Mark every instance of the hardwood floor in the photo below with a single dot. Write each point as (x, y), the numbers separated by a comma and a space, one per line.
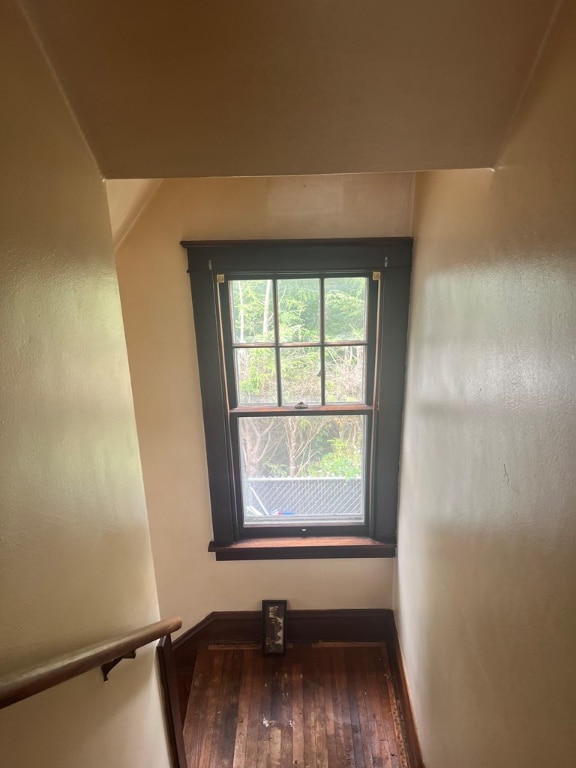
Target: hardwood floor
(320, 706)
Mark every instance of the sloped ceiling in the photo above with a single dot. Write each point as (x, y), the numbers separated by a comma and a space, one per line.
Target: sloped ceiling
(258, 87)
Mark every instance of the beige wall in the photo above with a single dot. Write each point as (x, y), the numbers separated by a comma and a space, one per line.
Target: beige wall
(127, 198)
(75, 561)
(487, 551)
(158, 319)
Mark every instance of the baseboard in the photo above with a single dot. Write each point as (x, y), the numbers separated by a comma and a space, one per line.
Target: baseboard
(398, 673)
(172, 712)
(345, 625)
(341, 625)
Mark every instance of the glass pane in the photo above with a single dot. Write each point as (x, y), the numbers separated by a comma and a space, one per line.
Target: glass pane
(345, 374)
(300, 375)
(256, 376)
(345, 308)
(303, 470)
(299, 310)
(252, 308)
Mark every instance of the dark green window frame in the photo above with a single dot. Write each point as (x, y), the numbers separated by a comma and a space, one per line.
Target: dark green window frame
(387, 261)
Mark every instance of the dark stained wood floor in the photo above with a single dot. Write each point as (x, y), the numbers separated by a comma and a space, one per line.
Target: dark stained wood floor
(320, 706)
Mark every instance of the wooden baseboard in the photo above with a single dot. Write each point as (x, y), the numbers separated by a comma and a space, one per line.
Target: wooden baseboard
(173, 714)
(341, 625)
(346, 625)
(397, 669)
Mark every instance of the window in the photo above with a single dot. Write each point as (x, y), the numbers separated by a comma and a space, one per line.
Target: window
(301, 351)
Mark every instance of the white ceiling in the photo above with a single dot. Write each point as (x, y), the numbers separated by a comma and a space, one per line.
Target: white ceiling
(258, 87)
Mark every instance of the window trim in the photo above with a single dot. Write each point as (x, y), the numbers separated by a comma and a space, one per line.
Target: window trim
(392, 258)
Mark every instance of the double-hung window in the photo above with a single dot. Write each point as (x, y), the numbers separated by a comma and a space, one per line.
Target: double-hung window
(301, 351)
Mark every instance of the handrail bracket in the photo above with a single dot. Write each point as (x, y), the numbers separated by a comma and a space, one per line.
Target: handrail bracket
(106, 668)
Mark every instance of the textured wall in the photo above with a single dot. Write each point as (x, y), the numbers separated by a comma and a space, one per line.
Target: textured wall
(75, 560)
(487, 552)
(157, 308)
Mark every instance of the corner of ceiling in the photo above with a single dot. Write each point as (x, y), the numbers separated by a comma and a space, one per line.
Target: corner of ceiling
(127, 199)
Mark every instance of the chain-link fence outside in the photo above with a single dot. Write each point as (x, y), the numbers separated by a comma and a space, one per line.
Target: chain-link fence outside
(311, 499)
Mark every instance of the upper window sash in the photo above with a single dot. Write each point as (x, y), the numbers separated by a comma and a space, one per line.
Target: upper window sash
(277, 358)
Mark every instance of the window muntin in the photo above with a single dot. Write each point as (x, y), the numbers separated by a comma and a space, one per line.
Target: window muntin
(315, 464)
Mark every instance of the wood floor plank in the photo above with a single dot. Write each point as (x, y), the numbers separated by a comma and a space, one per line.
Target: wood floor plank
(204, 735)
(383, 673)
(379, 704)
(216, 750)
(229, 709)
(319, 707)
(309, 711)
(275, 727)
(345, 708)
(323, 660)
(265, 725)
(364, 710)
(239, 759)
(254, 713)
(336, 681)
(298, 708)
(396, 714)
(389, 709)
(195, 722)
(287, 723)
(378, 741)
(354, 714)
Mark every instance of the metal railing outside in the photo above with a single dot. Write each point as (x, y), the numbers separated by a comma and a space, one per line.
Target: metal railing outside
(294, 499)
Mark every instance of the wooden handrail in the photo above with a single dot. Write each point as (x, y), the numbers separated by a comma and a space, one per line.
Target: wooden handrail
(20, 685)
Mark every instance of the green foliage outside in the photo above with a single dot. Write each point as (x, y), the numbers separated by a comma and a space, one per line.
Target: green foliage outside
(300, 446)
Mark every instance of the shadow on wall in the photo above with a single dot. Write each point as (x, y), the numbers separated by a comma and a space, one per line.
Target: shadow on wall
(488, 641)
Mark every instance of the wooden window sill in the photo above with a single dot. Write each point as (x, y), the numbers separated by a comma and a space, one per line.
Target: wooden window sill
(319, 547)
